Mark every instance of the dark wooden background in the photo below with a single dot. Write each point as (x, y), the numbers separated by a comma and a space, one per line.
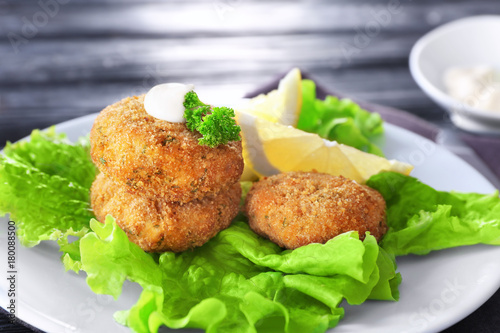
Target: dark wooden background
(86, 54)
(61, 59)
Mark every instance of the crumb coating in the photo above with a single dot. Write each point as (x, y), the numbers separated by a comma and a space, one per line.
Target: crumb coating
(298, 208)
(157, 225)
(157, 158)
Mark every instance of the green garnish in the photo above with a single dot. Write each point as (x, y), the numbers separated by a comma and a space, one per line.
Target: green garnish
(192, 101)
(339, 120)
(216, 124)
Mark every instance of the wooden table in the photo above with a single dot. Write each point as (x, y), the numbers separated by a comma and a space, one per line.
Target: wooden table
(62, 59)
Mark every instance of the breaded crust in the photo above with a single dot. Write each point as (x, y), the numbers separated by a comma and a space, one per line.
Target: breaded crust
(158, 158)
(298, 208)
(159, 225)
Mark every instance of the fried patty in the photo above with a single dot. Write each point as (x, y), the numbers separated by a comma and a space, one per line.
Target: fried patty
(157, 225)
(157, 158)
(298, 208)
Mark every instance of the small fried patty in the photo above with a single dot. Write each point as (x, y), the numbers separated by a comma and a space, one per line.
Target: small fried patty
(159, 225)
(155, 157)
(298, 208)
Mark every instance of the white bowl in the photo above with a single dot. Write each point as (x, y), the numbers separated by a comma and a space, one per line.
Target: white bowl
(466, 42)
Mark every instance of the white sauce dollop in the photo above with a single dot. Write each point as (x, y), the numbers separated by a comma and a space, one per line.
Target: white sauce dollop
(165, 101)
(478, 86)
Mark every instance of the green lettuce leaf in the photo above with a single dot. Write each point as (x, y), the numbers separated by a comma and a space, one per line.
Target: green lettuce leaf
(422, 219)
(237, 281)
(339, 120)
(387, 287)
(44, 185)
(128, 261)
(71, 257)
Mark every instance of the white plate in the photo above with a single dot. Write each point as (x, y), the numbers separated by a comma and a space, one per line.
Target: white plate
(438, 290)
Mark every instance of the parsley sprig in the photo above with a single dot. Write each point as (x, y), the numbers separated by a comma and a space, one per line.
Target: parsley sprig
(216, 124)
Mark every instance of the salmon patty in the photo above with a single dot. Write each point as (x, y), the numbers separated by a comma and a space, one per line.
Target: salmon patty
(157, 225)
(298, 208)
(157, 158)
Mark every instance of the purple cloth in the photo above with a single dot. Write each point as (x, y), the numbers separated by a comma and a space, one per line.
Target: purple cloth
(487, 148)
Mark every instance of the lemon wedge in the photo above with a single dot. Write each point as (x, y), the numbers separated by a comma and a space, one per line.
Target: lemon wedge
(270, 148)
(281, 105)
